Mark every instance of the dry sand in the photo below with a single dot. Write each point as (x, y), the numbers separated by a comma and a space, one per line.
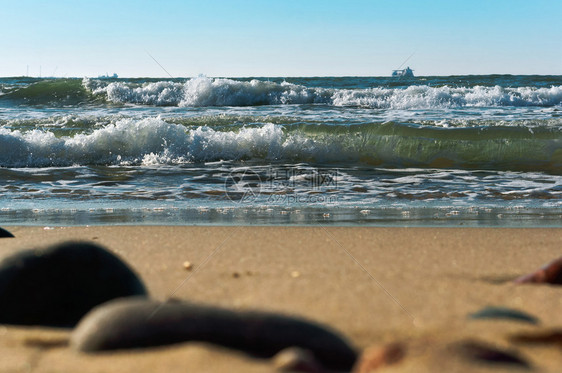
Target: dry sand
(373, 285)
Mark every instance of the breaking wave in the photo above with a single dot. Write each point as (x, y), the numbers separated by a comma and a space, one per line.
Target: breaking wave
(206, 92)
(203, 91)
(153, 141)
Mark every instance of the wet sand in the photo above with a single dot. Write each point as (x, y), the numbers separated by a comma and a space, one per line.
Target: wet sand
(414, 286)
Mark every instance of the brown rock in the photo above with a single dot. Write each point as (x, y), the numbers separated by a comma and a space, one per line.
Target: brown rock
(376, 357)
(551, 273)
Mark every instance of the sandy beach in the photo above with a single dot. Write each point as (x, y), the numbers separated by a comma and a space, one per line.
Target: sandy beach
(275, 187)
(375, 286)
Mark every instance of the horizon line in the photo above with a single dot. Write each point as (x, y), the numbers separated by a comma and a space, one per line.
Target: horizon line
(261, 76)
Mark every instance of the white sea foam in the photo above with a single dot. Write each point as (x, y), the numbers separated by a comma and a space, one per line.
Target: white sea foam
(426, 97)
(203, 92)
(124, 141)
(160, 93)
(153, 141)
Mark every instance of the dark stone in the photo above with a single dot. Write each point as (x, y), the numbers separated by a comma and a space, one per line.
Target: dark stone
(484, 353)
(138, 323)
(504, 313)
(546, 337)
(551, 273)
(4, 233)
(58, 285)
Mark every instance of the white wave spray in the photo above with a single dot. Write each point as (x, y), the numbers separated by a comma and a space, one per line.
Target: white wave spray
(154, 141)
(204, 92)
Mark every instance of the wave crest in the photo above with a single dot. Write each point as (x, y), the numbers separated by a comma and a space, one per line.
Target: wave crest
(426, 97)
(155, 141)
(203, 91)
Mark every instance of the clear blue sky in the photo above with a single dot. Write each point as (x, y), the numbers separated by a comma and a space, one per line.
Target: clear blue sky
(279, 38)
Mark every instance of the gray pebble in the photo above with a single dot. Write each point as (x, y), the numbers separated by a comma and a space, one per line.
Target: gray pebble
(136, 323)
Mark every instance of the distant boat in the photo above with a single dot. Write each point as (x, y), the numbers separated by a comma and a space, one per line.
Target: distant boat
(406, 73)
(106, 76)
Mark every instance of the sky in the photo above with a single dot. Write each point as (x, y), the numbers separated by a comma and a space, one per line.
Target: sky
(235, 38)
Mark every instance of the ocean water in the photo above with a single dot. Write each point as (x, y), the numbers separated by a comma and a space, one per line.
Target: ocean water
(424, 151)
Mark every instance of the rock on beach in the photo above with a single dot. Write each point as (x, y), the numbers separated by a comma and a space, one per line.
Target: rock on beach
(4, 233)
(137, 323)
(58, 285)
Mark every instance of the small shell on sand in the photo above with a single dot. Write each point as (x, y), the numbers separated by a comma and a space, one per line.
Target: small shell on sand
(137, 323)
(376, 357)
(295, 274)
(294, 359)
(550, 273)
(187, 265)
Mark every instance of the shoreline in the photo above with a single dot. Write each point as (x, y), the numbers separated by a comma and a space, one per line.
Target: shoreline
(374, 285)
(290, 216)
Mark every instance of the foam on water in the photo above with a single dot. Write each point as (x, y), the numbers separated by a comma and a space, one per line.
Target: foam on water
(203, 92)
(424, 97)
(155, 141)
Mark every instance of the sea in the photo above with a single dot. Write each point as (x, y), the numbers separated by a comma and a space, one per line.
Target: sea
(476, 150)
